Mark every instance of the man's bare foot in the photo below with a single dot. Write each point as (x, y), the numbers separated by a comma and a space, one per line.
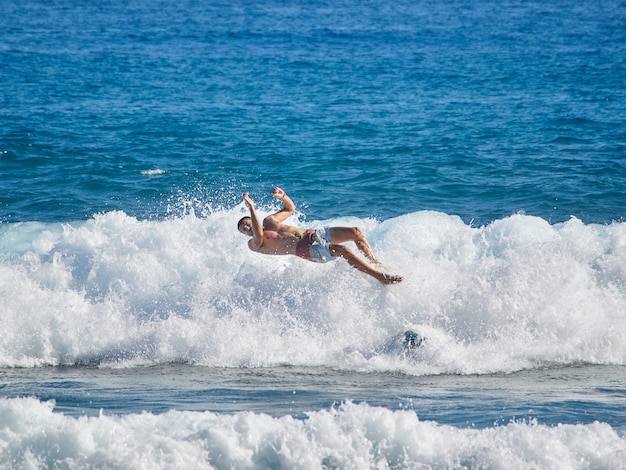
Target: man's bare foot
(390, 279)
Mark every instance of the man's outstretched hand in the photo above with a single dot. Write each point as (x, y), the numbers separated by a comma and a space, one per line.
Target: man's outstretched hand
(278, 193)
(248, 200)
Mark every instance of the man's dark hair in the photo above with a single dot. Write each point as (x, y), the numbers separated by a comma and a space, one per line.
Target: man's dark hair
(242, 220)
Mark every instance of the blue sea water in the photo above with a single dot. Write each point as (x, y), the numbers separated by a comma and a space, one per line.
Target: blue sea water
(480, 145)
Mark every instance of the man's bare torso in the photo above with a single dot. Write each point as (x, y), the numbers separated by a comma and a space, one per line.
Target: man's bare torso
(278, 239)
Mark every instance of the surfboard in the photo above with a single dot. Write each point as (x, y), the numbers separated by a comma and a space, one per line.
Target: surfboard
(406, 341)
(412, 340)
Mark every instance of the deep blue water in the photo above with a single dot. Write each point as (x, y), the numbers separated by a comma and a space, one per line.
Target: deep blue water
(479, 144)
(481, 109)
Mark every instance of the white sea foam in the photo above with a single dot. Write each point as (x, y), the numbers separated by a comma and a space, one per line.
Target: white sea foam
(350, 436)
(154, 172)
(517, 293)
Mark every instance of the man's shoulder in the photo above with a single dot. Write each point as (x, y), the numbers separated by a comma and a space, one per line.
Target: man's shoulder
(254, 246)
(270, 224)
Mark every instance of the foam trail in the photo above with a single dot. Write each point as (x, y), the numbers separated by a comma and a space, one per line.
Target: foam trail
(350, 436)
(517, 293)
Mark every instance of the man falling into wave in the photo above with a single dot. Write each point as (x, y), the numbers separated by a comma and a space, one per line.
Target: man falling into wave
(273, 237)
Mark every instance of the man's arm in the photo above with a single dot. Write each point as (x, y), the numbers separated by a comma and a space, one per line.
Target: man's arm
(257, 228)
(288, 208)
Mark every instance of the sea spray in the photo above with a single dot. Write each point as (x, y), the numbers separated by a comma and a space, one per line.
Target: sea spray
(350, 436)
(517, 293)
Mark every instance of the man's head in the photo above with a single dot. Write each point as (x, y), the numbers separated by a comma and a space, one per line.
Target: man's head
(245, 226)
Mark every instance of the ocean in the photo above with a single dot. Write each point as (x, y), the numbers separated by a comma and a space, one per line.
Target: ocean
(479, 145)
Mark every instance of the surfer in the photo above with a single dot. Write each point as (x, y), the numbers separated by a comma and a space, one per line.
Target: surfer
(273, 237)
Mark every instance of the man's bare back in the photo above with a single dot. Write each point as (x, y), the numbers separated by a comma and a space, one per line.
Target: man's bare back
(273, 237)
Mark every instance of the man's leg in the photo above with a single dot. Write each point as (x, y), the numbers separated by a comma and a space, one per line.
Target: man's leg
(353, 234)
(356, 262)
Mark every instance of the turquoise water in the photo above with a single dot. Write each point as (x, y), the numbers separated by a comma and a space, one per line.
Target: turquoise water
(479, 145)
